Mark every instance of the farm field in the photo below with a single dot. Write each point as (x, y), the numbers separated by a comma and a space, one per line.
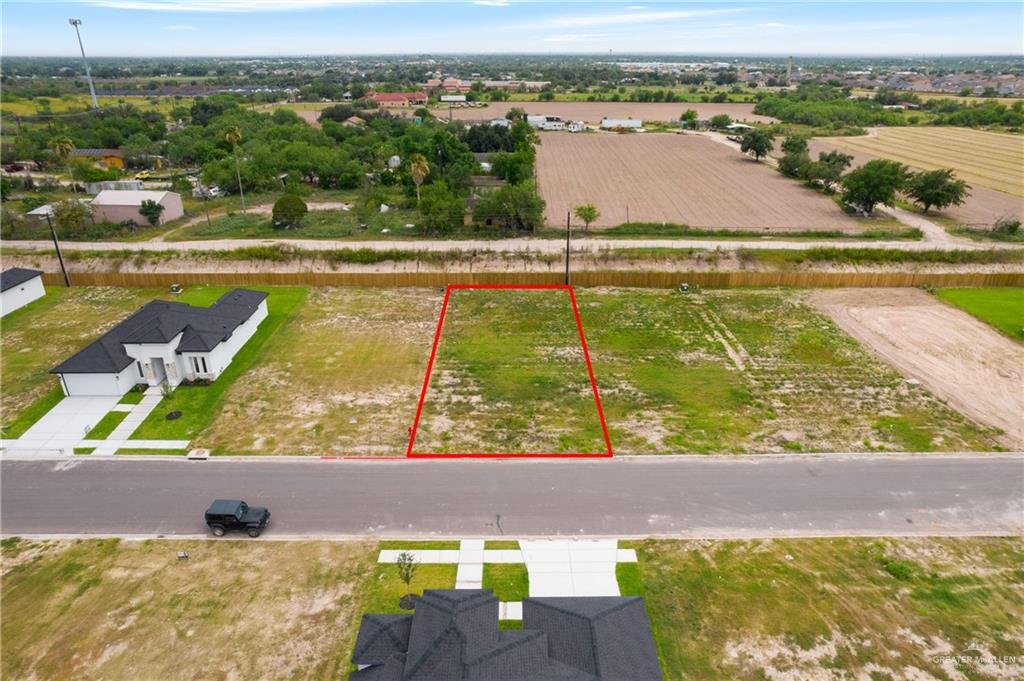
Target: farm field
(962, 360)
(788, 608)
(66, 103)
(984, 159)
(682, 179)
(509, 377)
(984, 207)
(593, 112)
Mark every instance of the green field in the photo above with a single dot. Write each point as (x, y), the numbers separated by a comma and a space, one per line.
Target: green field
(761, 609)
(1003, 308)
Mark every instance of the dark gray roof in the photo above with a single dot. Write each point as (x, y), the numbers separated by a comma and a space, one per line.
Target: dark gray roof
(97, 152)
(159, 321)
(16, 276)
(453, 635)
(607, 636)
(381, 637)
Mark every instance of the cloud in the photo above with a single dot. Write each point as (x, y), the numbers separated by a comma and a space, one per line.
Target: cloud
(637, 7)
(225, 5)
(181, 27)
(772, 24)
(492, 3)
(636, 17)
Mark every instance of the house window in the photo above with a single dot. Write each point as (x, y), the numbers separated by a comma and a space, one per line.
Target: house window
(199, 365)
(138, 365)
(203, 359)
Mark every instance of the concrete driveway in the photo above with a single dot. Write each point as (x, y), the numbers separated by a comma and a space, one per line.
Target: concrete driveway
(65, 425)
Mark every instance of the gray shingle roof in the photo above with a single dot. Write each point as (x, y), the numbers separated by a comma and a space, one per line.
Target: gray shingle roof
(454, 636)
(16, 276)
(159, 321)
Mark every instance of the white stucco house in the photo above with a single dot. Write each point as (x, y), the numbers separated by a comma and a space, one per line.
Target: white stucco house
(165, 341)
(18, 288)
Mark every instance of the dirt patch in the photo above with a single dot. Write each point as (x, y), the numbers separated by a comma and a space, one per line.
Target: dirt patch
(593, 112)
(962, 360)
(682, 179)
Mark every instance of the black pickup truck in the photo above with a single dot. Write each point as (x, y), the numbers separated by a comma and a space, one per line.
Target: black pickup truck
(232, 514)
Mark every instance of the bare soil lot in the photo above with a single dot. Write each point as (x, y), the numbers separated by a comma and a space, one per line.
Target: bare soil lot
(962, 360)
(593, 112)
(986, 204)
(683, 179)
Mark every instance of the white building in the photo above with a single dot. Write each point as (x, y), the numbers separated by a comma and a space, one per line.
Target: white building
(116, 206)
(165, 341)
(576, 126)
(546, 122)
(18, 288)
(615, 123)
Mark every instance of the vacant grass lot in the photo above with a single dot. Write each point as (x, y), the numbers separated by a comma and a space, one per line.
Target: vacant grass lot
(751, 371)
(44, 333)
(832, 608)
(509, 377)
(1003, 308)
(342, 376)
(318, 224)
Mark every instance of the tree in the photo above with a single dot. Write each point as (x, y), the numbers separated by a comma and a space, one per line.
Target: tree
(689, 117)
(63, 147)
(233, 136)
(516, 113)
(440, 210)
(794, 144)
(938, 188)
(875, 182)
(151, 210)
(720, 121)
(406, 564)
(827, 170)
(288, 211)
(794, 165)
(515, 206)
(71, 215)
(588, 213)
(418, 169)
(758, 141)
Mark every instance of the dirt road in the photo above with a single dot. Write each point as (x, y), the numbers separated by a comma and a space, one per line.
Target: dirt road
(962, 360)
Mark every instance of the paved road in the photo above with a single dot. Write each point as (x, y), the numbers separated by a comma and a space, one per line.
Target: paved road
(685, 496)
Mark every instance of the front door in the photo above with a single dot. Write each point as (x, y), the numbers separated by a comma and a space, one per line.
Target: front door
(159, 371)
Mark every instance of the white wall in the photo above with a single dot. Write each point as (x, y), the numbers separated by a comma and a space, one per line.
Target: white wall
(100, 384)
(218, 359)
(145, 352)
(21, 295)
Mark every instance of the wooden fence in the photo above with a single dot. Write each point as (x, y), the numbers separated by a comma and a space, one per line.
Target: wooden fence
(594, 278)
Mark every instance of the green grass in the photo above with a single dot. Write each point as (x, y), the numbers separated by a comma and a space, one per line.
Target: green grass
(199, 405)
(510, 582)
(854, 256)
(143, 451)
(1003, 308)
(132, 397)
(501, 544)
(318, 224)
(27, 417)
(782, 603)
(405, 545)
(384, 587)
(669, 230)
(106, 425)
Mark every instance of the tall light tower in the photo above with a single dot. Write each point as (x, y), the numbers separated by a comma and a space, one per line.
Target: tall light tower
(88, 75)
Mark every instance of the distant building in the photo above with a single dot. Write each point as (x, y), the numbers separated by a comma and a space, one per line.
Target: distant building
(353, 121)
(576, 126)
(95, 188)
(546, 122)
(500, 122)
(18, 288)
(118, 206)
(398, 100)
(620, 123)
(109, 158)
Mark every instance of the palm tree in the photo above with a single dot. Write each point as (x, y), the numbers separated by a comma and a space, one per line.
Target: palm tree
(233, 135)
(419, 169)
(62, 146)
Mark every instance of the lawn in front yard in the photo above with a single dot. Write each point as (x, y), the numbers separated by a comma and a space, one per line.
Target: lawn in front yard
(44, 333)
(106, 425)
(199, 405)
(510, 582)
(1003, 308)
(831, 608)
(752, 371)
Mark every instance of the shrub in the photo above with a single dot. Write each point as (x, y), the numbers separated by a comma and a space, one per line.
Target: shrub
(288, 211)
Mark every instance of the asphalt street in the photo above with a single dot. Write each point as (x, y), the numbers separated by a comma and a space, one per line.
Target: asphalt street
(684, 496)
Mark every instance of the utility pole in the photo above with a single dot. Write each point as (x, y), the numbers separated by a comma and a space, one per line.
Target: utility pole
(88, 75)
(60, 258)
(568, 240)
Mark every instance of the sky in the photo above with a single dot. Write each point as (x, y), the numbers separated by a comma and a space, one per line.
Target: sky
(139, 28)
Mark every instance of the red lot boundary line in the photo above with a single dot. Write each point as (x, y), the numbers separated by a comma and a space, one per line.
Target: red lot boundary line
(586, 356)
